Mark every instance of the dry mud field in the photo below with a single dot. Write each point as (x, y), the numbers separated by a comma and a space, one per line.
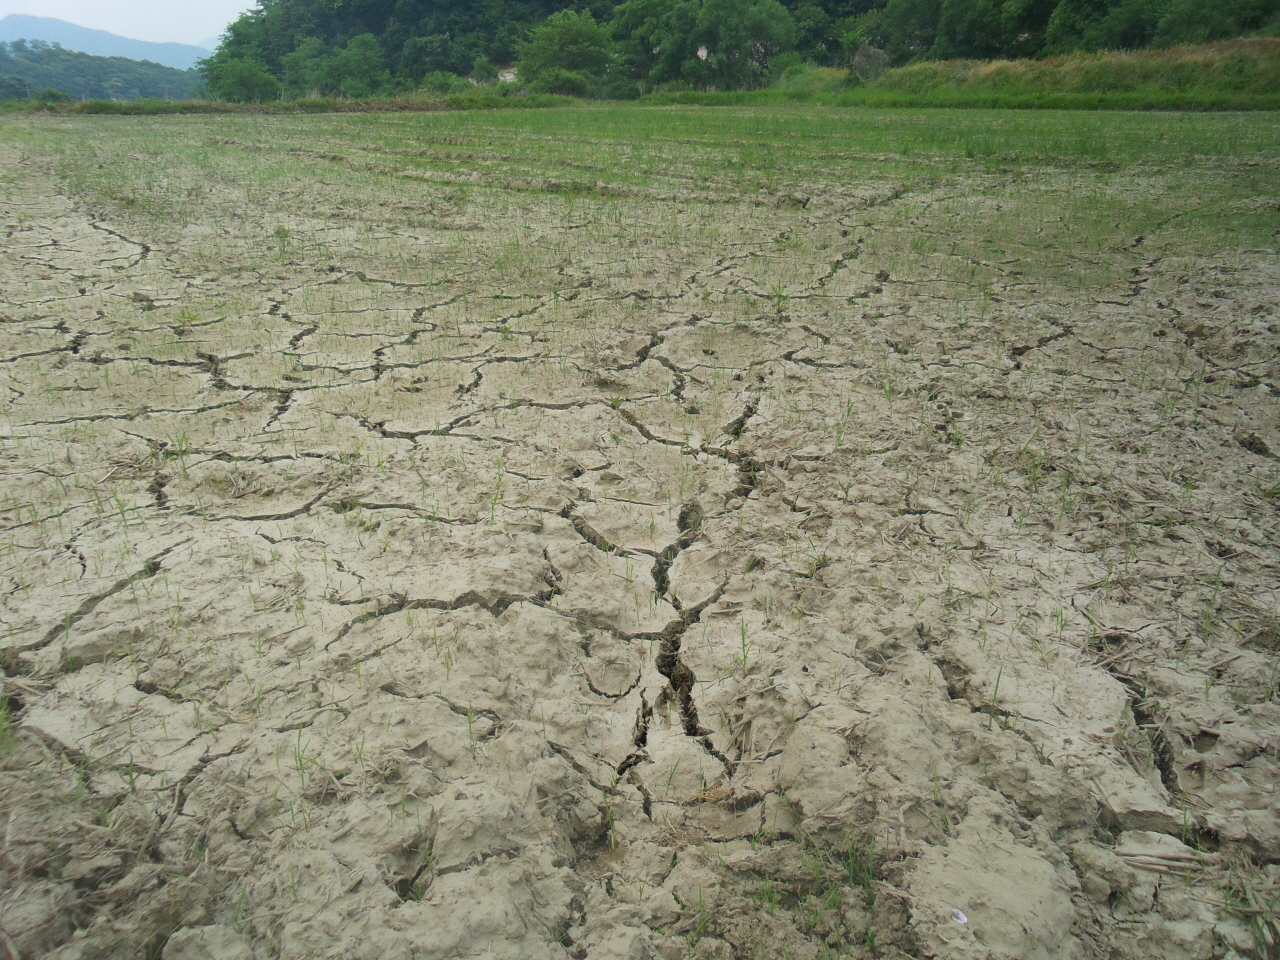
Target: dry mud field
(640, 533)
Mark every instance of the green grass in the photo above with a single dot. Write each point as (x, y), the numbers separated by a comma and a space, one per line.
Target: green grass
(860, 863)
(602, 152)
(6, 726)
(1058, 185)
(644, 145)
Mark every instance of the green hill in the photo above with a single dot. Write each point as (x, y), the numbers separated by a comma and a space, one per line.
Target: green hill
(100, 43)
(29, 67)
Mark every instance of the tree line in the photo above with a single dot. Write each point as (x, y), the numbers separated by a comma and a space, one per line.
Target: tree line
(33, 69)
(357, 48)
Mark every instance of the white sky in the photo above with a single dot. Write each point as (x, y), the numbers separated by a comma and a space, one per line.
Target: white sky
(184, 21)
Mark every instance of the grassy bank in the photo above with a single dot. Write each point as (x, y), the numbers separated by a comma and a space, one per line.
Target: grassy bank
(417, 102)
(1235, 75)
(978, 99)
(1241, 74)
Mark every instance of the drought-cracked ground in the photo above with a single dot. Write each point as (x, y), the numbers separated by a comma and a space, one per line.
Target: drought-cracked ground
(633, 533)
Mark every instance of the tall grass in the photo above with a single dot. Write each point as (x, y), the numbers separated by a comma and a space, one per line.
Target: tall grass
(1218, 73)
(1233, 75)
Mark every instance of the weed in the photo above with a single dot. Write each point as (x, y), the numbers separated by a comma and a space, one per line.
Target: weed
(860, 864)
(701, 925)
(767, 894)
(610, 830)
(6, 726)
(995, 697)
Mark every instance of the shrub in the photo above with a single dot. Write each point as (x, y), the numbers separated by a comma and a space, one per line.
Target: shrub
(569, 52)
(568, 83)
(48, 97)
(244, 80)
(869, 63)
(483, 70)
(443, 82)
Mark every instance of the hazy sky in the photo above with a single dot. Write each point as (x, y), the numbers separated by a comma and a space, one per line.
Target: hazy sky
(186, 21)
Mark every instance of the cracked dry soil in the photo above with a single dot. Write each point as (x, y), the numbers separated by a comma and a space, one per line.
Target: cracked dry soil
(421, 539)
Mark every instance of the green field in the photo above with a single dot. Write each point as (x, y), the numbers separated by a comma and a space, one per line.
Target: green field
(627, 530)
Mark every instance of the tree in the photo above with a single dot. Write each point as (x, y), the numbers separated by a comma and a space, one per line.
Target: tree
(245, 80)
(14, 88)
(988, 29)
(851, 41)
(304, 69)
(483, 70)
(907, 28)
(1188, 21)
(49, 96)
(1129, 25)
(570, 50)
(604, 45)
(815, 34)
(1076, 25)
(741, 37)
(970, 29)
(1024, 23)
(723, 44)
(430, 54)
(655, 37)
(358, 70)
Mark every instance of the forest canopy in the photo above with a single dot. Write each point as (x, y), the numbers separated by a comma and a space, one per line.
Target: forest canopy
(620, 49)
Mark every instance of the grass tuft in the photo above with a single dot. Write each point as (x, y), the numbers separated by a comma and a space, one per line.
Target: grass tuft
(6, 726)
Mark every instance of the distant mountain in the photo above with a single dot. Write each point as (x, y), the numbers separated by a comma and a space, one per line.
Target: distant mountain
(19, 26)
